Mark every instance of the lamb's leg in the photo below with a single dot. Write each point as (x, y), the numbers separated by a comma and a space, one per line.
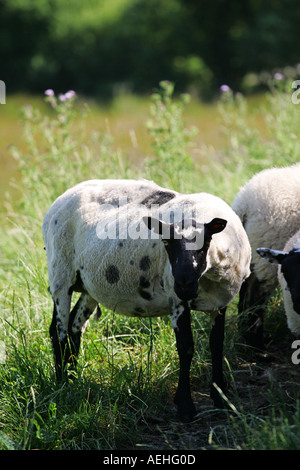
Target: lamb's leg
(185, 348)
(252, 305)
(216, 341)
(78, 318)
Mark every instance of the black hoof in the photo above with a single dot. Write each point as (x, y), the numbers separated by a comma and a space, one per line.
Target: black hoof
(187, 414)
(186, 411)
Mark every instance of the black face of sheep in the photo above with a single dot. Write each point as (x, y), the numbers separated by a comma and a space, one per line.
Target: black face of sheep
(290, 268)
(187, 255)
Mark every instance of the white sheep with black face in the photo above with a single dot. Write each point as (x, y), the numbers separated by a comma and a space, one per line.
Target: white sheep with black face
(142, 250)
(289, 278)
(269, 208)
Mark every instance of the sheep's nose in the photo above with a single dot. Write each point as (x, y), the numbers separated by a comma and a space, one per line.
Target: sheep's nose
(186, 290)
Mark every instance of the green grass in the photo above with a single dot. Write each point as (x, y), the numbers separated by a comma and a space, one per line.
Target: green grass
(128, 368)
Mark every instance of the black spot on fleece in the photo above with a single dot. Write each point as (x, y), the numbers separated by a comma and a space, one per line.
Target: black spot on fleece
(112, 274)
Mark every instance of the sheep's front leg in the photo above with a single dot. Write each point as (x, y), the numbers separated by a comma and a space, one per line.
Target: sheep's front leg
(185, 347)
(216, 341)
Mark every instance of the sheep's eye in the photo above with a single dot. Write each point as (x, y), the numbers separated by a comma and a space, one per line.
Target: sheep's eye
(165, 242)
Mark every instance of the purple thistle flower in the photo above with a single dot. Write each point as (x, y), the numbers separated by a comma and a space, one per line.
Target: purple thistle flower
(225, 88)
(70, 94)
(66, 96)
(62, 97)
(49, 92)
(278, 76)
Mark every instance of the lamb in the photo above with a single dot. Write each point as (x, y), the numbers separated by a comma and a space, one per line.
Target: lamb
(144, 251)
(269, 208)
(289, 278)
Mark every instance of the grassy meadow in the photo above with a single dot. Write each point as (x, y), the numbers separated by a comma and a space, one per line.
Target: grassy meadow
(128, 368)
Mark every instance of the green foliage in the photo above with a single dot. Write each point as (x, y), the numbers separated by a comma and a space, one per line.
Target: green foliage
(171, 139)
(65, 153)
(272, 141)
(95, 46)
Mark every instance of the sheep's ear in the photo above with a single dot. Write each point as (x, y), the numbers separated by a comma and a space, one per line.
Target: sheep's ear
(273, 256)
(159, 227)
(216, 225)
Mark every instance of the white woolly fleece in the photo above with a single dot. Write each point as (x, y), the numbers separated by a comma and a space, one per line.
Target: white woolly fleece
(269, 208)
(112, 271)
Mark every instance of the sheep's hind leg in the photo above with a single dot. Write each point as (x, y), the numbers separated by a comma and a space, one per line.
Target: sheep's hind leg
(65, 330)
(78, 319)
(252, 306)
(59, 331)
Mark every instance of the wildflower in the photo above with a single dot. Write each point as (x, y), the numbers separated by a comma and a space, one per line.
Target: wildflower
(49, 92)
(67, 96)
(278, 76)
(225, 88)
(70, 94)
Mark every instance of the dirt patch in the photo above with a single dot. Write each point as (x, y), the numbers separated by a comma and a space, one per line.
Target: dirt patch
(255, 388)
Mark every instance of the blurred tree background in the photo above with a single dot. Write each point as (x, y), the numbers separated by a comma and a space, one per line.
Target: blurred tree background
(99, 47)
